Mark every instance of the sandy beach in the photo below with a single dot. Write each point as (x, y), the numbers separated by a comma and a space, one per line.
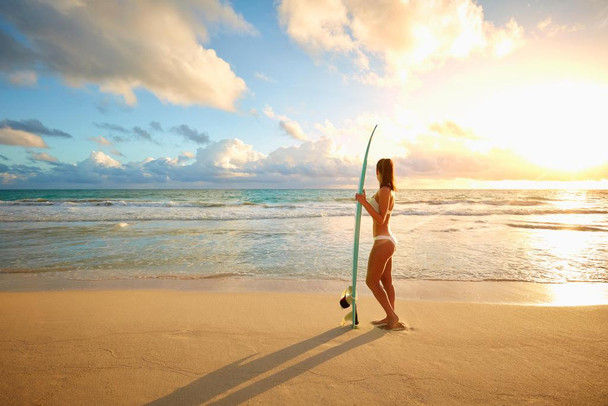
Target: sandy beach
(175, 347)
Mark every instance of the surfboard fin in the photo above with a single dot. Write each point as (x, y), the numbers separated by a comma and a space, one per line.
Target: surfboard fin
(345, 301)
(348, 319)
(346, 297)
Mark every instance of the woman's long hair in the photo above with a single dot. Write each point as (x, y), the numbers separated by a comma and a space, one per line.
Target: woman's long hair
(386, 170)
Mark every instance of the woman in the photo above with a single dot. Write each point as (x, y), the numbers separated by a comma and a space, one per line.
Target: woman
(380, 263)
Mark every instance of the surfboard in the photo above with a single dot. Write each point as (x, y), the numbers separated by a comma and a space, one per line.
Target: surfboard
(357, 232)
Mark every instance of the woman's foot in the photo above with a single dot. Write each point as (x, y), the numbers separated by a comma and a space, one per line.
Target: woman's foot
(392, 321)
(379, 322)
(398, 327)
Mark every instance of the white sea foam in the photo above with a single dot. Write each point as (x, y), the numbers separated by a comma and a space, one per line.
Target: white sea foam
(544, 236)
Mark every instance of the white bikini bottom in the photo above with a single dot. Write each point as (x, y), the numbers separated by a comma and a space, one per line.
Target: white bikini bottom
(390, 237)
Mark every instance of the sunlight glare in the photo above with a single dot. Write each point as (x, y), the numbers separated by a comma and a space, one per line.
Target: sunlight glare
(557, 126)
(579, 294)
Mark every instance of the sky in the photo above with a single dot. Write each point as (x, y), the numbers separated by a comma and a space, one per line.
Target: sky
(284, 94)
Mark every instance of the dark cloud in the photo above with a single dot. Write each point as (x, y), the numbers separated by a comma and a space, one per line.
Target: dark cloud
(141, 133)
(155, 126)
(33, 126)
(191, 134)
(136, 132)
(112, 127)
(13, 55)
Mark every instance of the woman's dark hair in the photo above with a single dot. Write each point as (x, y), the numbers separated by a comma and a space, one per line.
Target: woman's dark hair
(387, 174)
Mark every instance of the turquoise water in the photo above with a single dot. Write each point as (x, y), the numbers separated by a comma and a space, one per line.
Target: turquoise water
(523, 235)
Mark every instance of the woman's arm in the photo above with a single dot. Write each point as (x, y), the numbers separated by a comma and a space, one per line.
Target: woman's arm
(384, 197)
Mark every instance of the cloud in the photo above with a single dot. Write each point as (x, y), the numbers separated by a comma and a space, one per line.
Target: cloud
(551, 29)
(451, 129)
(136, 131)
(405, 36)
(289, 126)
(191, 134)
(441, 151)
(14, 55)
(9, 136)
(112, 127)
(24, 78)
(227, 155)
(264, 77)
(116, 152)
(101, 141)
(225, 162)
(99, 159)
(125, 45)
(42, 157)
(33, 126)
(7, 178)
(438, 157)
(141, 133)
(292, 129)
(155, 126)
(315, 159)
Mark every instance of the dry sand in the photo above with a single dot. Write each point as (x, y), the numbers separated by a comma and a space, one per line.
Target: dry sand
(167, 347)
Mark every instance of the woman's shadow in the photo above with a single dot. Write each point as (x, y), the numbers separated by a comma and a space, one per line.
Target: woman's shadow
(239, 372)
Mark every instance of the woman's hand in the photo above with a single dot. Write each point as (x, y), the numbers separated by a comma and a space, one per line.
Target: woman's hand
(360, 197)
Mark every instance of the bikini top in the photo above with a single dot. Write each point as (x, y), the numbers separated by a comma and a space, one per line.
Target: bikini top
(375, 204)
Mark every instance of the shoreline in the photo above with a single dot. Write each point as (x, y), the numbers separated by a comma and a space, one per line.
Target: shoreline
(483, 292)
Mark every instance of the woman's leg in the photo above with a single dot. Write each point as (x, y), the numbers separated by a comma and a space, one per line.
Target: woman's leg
(387, 284)
(378, 257)
(387, 281)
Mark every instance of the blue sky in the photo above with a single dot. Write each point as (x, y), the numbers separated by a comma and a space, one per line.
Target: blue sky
(284, 93)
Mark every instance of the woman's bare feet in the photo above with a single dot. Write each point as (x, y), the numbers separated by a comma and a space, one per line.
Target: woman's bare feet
(379, 322)
(392, 321)
(398, 327)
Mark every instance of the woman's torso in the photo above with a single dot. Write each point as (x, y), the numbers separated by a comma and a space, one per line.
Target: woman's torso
(383, 229)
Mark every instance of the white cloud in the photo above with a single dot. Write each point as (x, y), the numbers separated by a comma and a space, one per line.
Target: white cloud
(315, 159)
(289, 126)
(406, 36)
(229, 154)
(264, 77)
(292, 129)
(101, 141)
(126, 45)
(317, 25)
(99, 159)
(9, 136)
(552, 29)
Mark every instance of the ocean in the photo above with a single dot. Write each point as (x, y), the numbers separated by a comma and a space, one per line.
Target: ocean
(547, 236)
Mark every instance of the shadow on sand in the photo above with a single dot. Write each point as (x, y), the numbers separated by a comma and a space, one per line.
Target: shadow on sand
(240, 372)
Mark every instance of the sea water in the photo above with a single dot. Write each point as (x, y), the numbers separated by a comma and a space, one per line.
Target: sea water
(468, 235)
